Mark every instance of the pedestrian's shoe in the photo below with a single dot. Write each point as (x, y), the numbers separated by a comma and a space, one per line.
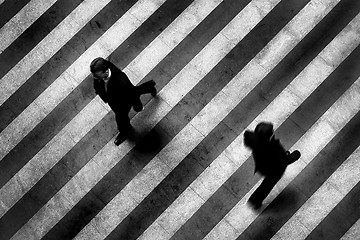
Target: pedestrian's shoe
(254, 204)
(292, 157)
(138, 107)
(119, 139)
(153, 91)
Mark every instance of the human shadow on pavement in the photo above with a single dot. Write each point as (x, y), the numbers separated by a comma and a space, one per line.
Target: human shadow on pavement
(286, 201)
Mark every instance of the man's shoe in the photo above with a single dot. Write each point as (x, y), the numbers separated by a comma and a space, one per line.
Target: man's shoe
(254, 204)
(294, 156)
(119, 139)
(138, 107)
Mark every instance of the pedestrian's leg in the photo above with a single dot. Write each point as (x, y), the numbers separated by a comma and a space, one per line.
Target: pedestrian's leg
(124, 126)
(147, 87)
(137, 105)
(264, 189)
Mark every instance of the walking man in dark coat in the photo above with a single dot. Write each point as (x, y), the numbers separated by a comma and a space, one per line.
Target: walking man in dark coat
(115, 88)
(270, 159)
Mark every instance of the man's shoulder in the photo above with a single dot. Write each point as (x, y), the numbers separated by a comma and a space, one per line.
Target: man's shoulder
(113, 67)
(116, 72)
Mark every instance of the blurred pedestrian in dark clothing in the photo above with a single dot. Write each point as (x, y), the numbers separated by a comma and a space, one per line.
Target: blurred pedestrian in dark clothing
(115, 88)
(270, 157)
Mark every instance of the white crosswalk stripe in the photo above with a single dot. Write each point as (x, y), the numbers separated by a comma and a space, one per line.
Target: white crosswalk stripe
(353, 232)
(22, 20)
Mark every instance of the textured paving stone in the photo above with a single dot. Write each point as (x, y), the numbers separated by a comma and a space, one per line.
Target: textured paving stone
(186, 176)
(9, 9)
(35, 33)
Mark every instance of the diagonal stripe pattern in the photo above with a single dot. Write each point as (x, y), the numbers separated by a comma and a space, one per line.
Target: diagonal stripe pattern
(220, 67)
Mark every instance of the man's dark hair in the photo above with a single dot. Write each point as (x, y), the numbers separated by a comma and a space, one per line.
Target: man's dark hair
(249, 139)
(264, 130)
(99, 64)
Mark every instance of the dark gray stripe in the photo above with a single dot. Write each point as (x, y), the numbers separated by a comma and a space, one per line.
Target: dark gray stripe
(35, 33)
(340, 219)
(9, 8)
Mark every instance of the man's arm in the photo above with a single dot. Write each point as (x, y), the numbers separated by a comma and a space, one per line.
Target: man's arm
(100, 90)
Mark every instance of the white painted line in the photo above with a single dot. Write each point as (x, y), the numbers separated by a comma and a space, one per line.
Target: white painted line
(22, 20)
(74, 130)
(45, 49)
(353, 232)
(216, 174)
(320, 204)
(312, 142)
(172, 154)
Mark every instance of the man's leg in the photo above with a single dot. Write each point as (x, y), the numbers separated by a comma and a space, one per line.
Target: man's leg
(147, 87)
(137, 105)
(124, 127)
(264, 189)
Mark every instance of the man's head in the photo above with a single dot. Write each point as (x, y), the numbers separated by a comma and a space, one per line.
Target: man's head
(262, 134)
(99, 67)
(265, 130)
(251, 139)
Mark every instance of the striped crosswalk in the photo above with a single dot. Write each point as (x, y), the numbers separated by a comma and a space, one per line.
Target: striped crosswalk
(22, 20)
(221, 67)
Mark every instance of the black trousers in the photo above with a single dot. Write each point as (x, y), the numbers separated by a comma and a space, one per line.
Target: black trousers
(266, 186)
(122, 114)
(271, 178)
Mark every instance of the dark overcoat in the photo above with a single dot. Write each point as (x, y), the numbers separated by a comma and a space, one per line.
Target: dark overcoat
(120, 94)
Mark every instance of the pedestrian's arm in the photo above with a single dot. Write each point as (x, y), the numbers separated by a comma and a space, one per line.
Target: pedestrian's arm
(100, 91)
